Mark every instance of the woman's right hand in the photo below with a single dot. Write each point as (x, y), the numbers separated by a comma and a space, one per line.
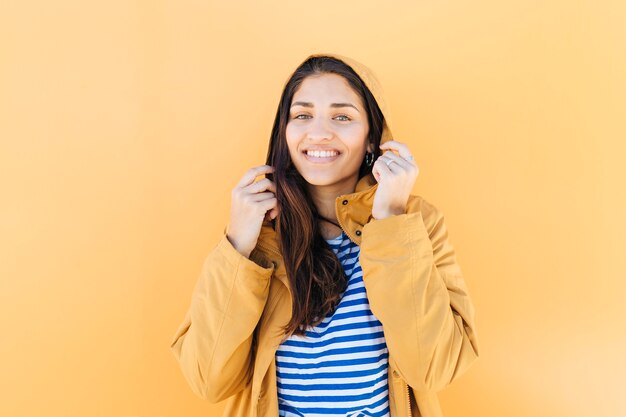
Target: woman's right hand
(249, 208)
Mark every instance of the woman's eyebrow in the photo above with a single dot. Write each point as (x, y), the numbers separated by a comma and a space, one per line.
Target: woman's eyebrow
(308, 104)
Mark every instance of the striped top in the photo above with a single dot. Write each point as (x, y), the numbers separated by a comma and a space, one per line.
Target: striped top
(339, 368)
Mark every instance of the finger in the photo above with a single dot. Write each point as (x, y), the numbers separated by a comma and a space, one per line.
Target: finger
(375, 172)
(270, 216)
(402, 148)
(272, 186)
(397, 160)
(405, 161)
(273, 212)
(382, 168)
(261, 185)
(252, 173)
(394, 144)
(256, 198)
(268, 204)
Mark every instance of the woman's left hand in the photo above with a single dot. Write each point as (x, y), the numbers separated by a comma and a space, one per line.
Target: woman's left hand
(396, 175)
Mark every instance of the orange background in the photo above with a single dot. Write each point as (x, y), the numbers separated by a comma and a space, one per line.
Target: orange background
(124, 125)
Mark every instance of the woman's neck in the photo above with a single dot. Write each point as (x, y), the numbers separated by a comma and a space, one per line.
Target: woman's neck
(324, 197)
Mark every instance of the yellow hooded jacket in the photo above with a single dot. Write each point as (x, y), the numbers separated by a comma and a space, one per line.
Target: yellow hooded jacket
(227, 341)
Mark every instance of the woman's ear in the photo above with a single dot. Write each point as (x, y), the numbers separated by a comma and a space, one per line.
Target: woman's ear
(370, 147)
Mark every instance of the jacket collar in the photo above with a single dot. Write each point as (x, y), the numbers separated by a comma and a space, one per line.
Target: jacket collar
(352, 215)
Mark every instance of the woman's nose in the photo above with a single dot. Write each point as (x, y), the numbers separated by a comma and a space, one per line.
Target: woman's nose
(320, 128)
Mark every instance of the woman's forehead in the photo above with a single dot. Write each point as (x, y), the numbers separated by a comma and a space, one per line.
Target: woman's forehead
(325, 89)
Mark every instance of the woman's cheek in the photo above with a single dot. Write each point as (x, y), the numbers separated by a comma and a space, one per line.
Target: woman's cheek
(291, 136)
(291, 132)
(354, 128)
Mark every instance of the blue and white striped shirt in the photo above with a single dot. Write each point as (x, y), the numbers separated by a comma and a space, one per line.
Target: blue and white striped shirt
(339, 368)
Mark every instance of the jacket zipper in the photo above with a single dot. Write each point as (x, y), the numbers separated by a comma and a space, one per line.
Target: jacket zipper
(408, 397)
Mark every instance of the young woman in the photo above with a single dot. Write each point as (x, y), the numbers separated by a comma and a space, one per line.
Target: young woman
(334, 291)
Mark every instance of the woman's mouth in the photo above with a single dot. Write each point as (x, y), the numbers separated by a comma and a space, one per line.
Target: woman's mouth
(322, 157)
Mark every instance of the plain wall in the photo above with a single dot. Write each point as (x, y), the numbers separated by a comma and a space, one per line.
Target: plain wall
(124, 125)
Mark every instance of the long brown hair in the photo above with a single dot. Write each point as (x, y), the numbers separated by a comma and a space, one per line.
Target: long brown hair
(316, 276)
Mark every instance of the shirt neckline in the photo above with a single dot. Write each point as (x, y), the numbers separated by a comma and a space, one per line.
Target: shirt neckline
(335, 239)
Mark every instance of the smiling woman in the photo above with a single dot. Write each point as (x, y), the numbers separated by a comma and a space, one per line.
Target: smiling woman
(320, 121)
(334, 359)
(326, 107)
(334, 291)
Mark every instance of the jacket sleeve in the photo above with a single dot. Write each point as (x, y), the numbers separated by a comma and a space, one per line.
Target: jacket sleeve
(214, 342)
(416, 289)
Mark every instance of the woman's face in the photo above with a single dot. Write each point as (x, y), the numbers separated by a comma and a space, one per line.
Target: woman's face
(327, 114)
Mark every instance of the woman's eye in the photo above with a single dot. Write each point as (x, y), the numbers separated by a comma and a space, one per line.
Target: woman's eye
(306, 116)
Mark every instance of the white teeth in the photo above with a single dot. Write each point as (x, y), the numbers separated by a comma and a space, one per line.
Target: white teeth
(322, 154)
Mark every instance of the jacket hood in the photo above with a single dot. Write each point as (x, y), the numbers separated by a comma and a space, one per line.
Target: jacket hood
(373, 84)
(366, 186)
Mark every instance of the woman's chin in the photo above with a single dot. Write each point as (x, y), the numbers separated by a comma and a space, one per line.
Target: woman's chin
(320, 178)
